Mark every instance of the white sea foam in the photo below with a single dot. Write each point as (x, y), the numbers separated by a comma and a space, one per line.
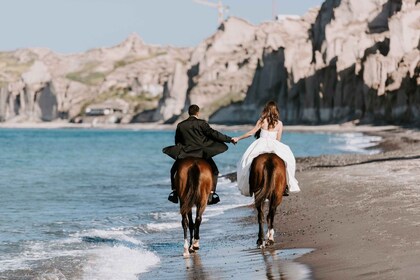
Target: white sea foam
(118, 262)
(164, 215)
(356, 143)
(163, 226)
(164, 221)
(123, 258)
(20, 262)
(37, 251)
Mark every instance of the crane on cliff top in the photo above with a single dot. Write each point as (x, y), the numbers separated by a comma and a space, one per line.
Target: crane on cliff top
(221, 9)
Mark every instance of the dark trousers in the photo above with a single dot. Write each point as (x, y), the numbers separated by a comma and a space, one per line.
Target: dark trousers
(214, 168)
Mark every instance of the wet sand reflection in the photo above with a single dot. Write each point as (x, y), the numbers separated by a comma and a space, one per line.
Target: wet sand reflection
(227, 253)
(235, 264)
(278, 268)
(194, 268)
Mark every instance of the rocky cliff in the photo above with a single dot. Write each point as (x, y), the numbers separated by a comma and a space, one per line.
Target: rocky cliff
(39, 85)
(348, 60)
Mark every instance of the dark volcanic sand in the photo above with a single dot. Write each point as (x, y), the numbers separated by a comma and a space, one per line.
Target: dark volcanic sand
(361, 213)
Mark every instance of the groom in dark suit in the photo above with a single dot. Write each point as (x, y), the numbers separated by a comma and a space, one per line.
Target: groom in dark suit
(195, 138)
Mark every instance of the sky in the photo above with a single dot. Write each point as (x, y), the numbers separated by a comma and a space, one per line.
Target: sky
(70, 26)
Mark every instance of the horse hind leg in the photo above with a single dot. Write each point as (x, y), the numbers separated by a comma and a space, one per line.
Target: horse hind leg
(260, 240)
(192, 232)
(184, 226)
(196, 244)
(270, 224)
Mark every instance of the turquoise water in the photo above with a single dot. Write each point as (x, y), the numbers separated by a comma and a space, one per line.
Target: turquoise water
(90, 204)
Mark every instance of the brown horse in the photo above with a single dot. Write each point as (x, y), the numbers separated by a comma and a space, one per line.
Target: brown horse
(267, 180)
(193, 184)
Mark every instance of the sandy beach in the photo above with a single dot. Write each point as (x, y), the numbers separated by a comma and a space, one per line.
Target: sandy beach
(361, 213)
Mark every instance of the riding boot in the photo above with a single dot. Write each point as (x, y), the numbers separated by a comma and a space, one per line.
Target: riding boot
(213, 197)
(173, 196)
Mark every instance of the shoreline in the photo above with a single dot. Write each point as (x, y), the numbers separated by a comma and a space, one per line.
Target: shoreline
(346, 127)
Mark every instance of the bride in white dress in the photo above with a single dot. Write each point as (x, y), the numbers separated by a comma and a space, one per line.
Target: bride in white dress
(270, 128)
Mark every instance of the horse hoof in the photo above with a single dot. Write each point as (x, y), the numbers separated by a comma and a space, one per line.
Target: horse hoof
(270, 242)
(260, 244)
(196, 248)
(191, 250)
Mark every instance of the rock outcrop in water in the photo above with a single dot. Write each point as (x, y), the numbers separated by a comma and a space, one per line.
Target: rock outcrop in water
(348, 60)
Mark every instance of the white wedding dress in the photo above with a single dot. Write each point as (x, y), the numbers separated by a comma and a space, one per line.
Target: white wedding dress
(267, 143)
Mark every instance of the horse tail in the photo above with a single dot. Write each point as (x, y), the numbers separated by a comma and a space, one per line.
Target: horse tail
(267, 184)
(192, 189)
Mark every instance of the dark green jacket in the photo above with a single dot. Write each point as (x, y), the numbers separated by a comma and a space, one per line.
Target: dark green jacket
(195, 138)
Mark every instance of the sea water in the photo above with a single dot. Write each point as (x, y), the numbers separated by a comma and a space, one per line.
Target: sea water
(92, 204)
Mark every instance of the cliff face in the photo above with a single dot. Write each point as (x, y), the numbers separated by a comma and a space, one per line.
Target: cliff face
(349, 61)
(39, 85)
(367, 58)
(345, 61)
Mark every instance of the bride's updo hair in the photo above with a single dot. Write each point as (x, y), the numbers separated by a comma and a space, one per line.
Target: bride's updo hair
(271, 113)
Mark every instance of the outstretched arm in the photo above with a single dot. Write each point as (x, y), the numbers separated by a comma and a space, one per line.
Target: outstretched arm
(214, 134)
(249, 133)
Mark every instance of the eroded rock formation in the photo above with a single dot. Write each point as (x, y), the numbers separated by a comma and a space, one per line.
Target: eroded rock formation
(39, 85)
(348, 60)
(351, 61)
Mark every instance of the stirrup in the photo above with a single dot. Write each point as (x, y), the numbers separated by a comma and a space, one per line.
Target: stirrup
(173, 197)
(213, 199)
